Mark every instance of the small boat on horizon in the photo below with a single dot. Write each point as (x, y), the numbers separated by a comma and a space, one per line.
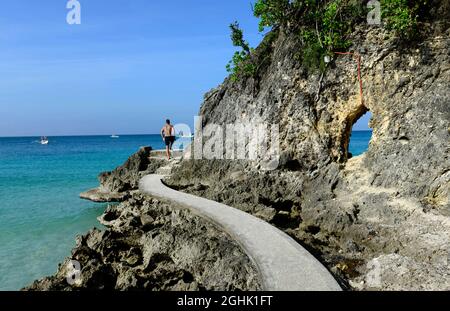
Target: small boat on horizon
(44, 140)
(115, 136)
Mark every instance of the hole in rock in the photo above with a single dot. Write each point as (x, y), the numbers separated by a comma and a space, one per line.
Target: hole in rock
(187, 277)
(360, 135)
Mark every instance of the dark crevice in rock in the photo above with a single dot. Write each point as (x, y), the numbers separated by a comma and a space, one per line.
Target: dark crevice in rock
(285, 221)
(110, 216)
(312, 230)
(293, 165)
(188, 277)
(279, 205)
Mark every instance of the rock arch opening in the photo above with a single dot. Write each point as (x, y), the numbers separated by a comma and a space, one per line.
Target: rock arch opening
(360, 134)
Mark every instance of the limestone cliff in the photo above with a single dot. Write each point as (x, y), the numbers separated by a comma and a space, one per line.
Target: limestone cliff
(378, 221)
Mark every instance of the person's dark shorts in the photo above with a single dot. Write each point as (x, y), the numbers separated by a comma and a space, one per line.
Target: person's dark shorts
(169, 140)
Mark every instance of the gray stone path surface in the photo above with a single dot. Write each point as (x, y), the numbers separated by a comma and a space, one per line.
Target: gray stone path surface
(283, 263)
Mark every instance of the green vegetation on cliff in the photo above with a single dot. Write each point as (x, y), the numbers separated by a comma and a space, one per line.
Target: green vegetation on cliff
(322, 26)
(241, 63)
(403, 15)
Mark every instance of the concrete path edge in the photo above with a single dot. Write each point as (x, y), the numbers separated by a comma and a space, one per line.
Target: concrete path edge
(283, 263)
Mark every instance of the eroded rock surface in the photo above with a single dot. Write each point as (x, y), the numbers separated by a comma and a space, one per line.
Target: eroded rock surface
(152, 245)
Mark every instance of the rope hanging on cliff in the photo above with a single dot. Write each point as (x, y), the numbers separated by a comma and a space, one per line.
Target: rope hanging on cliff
(358, 59)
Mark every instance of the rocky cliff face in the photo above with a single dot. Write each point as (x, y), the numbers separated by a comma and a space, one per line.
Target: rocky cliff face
(378, 221)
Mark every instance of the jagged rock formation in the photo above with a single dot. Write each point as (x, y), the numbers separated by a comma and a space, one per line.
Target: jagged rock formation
(152, 245)
(116, 185)
(379, 221)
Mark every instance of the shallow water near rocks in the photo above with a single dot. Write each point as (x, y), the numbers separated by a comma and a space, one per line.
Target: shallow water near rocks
(40, 211)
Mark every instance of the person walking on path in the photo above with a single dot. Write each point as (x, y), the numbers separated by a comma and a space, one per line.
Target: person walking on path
(168, 136)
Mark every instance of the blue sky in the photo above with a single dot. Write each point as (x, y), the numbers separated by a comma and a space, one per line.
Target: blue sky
(128, 66)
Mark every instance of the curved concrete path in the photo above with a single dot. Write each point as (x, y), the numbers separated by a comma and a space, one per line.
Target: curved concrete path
(283, 263)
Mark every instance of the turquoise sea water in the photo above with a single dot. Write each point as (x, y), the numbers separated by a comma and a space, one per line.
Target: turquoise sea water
(359, 142)
(40, 212)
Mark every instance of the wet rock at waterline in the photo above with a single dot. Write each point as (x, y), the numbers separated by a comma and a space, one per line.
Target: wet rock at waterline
(116, 185)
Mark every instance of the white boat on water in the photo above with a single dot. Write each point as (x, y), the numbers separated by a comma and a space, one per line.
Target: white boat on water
(114, 136)
(44, 140)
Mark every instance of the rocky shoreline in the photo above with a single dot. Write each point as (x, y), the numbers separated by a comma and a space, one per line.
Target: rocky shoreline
(149, 244)
(116, 185)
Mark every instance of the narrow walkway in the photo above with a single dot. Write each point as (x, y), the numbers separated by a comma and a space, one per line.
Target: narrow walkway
(283, 263)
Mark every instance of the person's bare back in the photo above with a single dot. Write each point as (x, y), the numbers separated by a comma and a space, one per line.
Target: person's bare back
(168, 136)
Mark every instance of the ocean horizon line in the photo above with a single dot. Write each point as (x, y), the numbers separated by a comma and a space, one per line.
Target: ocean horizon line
(78, 135)
(108, 135)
